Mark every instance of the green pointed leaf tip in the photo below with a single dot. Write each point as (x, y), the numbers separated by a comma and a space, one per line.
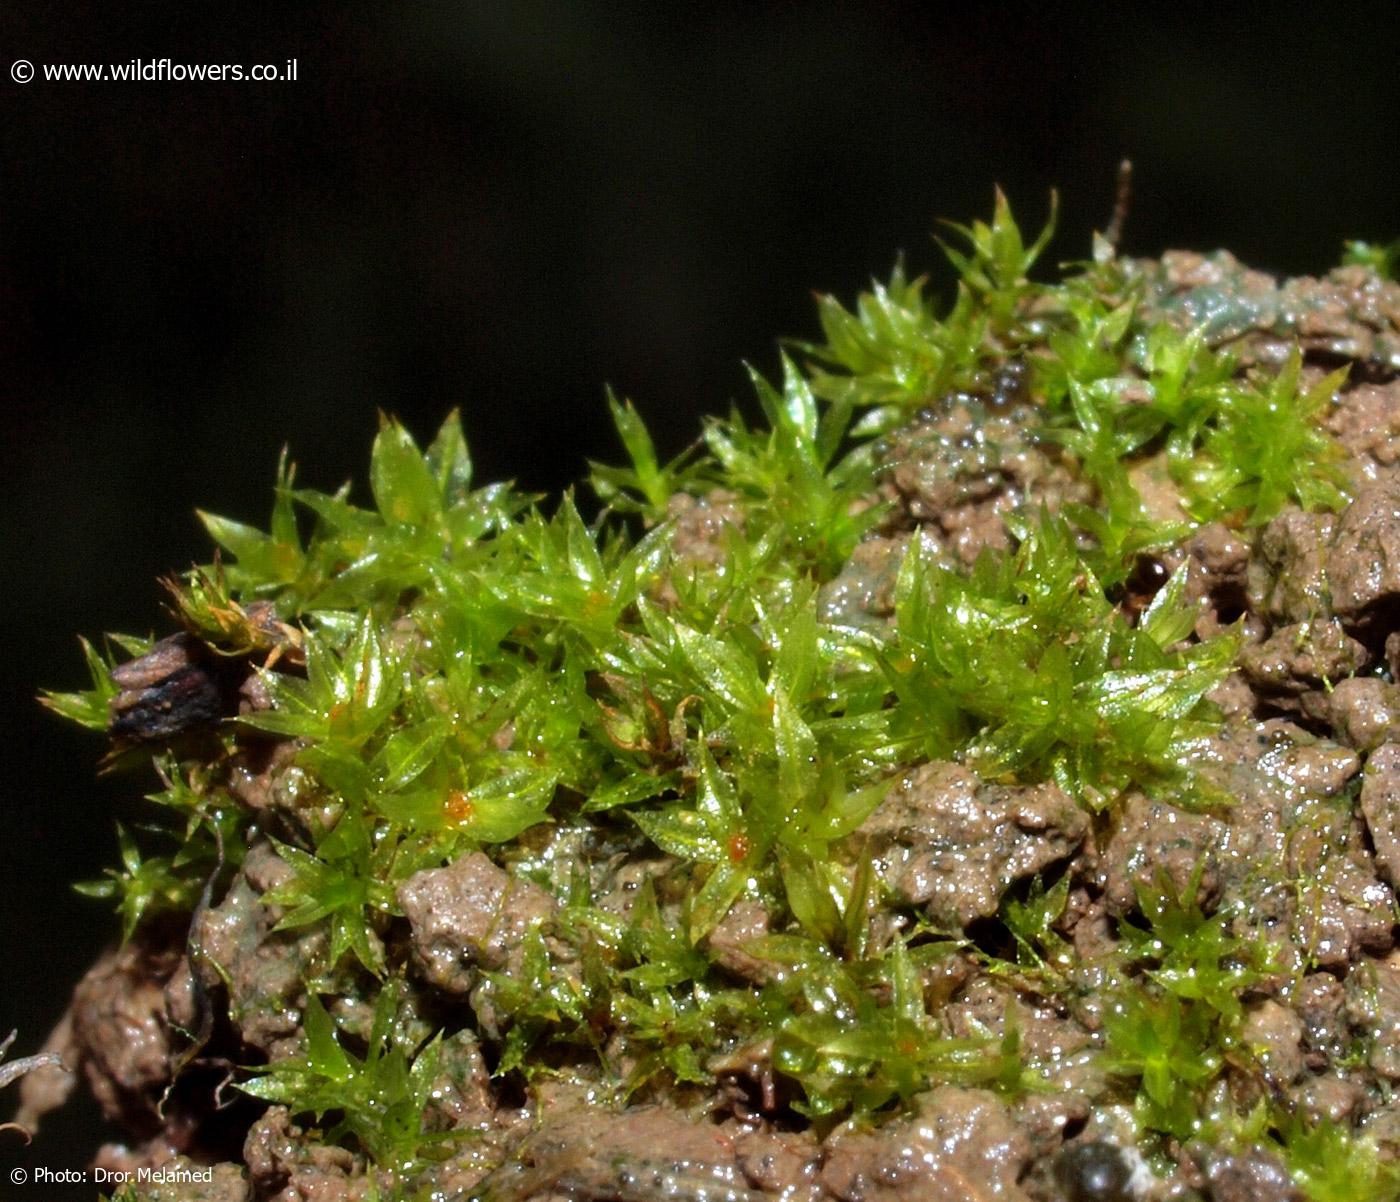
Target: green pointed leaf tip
(450, 462)
(381, 1099)
(684, 680)
(403, 483)
(88, 707)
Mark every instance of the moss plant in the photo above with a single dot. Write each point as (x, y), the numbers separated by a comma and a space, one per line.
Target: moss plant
(458, 667)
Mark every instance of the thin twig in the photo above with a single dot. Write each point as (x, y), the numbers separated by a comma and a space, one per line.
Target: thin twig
(1122, 198)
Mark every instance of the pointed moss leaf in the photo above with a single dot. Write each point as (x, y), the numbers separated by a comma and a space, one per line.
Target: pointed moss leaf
(367, 679)
(630, 790)
(405, 490)
(1169, 618)
(785, 422)
(260, 560)
(283, 526)
(717, 797)
(809, 896)
(88, 707)
(722, 888)
(450, 462)
(799, 406)
(500, 808)
(795, 664)
(723, 669)
(407, 753)
(646, 476)
(323, 1051)
(286, 1085)
(245, 543)
(796, 748)
(1166, 693)
(843, 810)
(637, 441)
(680, 832)
(350, 526)
(133, 646)
(584, 561)
(316, 890)
(1032, 923)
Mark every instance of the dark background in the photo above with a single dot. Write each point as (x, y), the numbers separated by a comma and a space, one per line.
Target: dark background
(502, 207)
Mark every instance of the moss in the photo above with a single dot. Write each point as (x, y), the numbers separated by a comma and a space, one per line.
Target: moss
(465, 668)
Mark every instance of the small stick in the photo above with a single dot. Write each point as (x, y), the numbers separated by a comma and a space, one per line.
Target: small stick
(200, 985)
(15, 1069)
(1122, 198)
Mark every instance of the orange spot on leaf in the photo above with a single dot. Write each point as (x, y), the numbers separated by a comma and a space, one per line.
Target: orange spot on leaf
(458, 807)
